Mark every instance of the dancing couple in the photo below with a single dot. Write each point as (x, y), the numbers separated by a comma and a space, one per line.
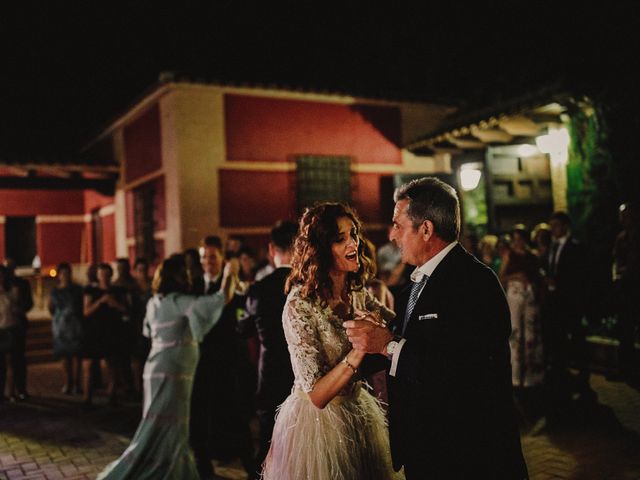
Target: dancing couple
(451, 412)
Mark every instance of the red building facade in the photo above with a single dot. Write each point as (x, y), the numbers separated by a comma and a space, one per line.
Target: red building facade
(193, 160)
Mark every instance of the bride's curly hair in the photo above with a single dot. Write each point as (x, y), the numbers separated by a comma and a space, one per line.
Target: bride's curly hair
(312, 256)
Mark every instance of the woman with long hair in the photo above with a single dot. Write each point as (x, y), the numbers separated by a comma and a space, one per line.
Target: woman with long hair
(176, 322)
(330, 426)
(520, 276)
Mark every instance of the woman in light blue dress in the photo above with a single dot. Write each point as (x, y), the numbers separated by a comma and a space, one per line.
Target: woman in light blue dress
(176, 322)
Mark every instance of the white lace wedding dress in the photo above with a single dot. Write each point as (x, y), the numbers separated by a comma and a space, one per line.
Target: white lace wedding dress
(348, 439)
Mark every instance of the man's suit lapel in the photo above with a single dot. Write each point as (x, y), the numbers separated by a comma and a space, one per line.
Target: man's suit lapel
(432, 289)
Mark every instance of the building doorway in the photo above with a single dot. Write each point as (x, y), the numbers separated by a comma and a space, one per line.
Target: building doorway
(20, 235)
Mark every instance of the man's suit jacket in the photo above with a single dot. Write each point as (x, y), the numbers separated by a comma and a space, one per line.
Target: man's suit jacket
(265, 302)
(451, 408)
(215, 396)
(571, 280)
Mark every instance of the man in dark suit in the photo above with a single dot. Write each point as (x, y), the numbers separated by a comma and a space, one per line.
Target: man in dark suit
(265, 302)
(206, 382)
(451, 411)
(218, 426)
(567, 278)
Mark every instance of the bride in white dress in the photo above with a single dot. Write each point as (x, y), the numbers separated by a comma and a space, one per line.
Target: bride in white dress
(330, 427)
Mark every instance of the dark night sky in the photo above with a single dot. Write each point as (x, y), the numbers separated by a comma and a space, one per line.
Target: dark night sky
(68, 70)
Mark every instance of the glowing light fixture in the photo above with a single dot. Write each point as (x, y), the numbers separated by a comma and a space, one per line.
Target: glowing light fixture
(555, 143)
(53, 273)
(557, 140)
(469, 177)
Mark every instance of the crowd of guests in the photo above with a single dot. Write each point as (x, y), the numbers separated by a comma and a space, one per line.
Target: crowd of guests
(222, 306)
(101, 321)
(546, 277)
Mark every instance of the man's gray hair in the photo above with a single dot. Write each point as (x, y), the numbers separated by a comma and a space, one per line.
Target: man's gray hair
(432, 199)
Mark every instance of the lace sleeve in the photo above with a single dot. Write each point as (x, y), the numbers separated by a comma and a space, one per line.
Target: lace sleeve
(300, 327)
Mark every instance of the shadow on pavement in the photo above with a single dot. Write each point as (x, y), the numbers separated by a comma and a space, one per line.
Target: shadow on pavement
(581, 438)
(67, 422)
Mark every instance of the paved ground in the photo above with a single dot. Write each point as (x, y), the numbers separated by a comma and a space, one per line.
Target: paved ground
(52, 437)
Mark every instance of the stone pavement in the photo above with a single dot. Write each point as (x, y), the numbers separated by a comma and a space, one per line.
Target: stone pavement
(52, 437)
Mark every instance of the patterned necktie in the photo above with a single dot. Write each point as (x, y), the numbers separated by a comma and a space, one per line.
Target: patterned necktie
(416, 288)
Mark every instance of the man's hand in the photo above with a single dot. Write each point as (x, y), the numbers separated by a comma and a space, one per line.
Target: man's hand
(366, 336)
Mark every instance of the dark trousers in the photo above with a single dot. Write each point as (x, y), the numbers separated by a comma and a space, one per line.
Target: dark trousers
(628, 321)
(19, 360)
(3, 373)
(266, 421)
(200, 420)
(567, 346)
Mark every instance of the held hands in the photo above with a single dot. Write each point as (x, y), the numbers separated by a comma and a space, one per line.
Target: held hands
(368, 333)
(108, 299)
(230, 278)
(231, 268)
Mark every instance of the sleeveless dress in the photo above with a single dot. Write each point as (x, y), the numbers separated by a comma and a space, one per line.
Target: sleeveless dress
(346, 440)
(67, 320)
(160, 447)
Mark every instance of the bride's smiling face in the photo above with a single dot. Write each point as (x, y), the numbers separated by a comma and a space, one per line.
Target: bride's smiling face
(345, 247)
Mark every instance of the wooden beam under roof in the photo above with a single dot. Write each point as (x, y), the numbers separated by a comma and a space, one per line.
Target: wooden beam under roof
(519, 125)
(468, 142)
(491, 135)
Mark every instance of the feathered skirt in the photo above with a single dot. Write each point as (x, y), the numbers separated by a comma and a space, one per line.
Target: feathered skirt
(346, 440)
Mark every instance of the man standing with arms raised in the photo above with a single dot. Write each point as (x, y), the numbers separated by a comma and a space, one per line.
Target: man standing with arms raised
(451, 412)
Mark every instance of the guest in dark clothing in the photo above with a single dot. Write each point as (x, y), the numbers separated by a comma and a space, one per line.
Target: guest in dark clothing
(626, 280)
(218, 429)
(566, 282)
(233, 246)
(140, 298)
(24, 303)
(8, 325)
(205, 279)
(247, 259)
(104, 306)
(265, 302)
(130, 329)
